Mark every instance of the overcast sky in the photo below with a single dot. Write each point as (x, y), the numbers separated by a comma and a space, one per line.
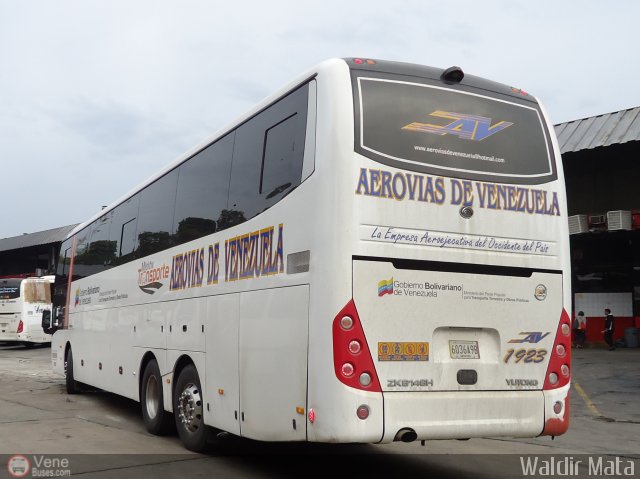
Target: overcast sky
(96, 96)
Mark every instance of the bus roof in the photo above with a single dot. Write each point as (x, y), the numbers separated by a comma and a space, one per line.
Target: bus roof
(381, 66)
(300, 80)
(422, 71)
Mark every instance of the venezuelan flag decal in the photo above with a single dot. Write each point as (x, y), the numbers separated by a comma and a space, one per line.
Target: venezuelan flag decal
(385, 287)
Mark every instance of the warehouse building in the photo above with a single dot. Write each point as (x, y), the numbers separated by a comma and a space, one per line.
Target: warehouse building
(600, 157)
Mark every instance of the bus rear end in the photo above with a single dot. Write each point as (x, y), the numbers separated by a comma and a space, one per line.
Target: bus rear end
(460, 262)
(36, 298)
(10, 309)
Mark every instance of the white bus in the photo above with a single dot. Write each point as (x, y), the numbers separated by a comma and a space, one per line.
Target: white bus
(378, 252)
(22, 302)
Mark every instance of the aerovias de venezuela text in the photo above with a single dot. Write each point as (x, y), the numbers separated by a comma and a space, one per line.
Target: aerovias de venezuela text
(415, 187)
(247, 256)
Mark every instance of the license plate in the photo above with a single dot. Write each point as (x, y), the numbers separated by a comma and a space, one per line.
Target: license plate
(464, 349)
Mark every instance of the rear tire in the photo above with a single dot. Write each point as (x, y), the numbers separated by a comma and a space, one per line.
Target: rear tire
(188, 410)
(73, 386)
(155, 418)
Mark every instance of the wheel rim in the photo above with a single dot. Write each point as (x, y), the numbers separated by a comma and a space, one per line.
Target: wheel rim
(190, 407)
(152, 397)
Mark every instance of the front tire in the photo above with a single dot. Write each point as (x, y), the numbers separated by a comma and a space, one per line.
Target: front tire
(188, 410)
(73, 386)
(155, 418)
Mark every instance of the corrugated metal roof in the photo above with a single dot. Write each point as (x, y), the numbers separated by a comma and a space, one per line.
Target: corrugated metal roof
(35, 239)
(602, 130)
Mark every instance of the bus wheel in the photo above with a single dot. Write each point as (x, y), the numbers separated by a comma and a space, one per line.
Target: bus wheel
(155, 418)
(73, 386)
(188, 410)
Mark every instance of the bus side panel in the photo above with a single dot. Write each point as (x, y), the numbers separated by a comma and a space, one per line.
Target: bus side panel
(150, 326)
(58, 344)
(186, 321)
(223, 389)
(122, 354)
(90, 346)
(273, 363)
(102, 342)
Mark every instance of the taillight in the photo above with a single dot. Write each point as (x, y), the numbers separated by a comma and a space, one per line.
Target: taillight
(559, 369)
(20, 327)
(351, 356)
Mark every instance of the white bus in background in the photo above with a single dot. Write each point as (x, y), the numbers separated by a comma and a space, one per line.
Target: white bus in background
(377, 252)
(22, 302)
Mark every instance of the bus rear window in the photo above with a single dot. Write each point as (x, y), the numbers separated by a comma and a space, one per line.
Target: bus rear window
(9, 288)
(433, 129)
(37, 292)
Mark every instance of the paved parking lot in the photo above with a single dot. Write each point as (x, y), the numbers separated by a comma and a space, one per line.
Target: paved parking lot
(38, 417)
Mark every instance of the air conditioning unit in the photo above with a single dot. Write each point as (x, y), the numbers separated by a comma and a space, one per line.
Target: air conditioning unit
(598, 222)
(578, 224)
(619, 220)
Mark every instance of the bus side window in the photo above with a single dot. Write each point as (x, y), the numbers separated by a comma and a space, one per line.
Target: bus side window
(155, 218)
(82, 253)
(122, 233)
(267, 156)
(101, 253)
(282, 158)
(203, 192)
(62, 271)
(128, 238)
(64, 258)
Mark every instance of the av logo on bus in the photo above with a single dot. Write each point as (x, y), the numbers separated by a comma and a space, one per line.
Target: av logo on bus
(467, 127)
(385, 287)
(530, 337)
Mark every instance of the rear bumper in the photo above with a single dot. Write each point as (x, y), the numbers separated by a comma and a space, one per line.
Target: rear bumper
(34, 338)
(464, 414)
(9, 337)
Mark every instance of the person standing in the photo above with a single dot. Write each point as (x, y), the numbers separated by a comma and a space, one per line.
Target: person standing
(581, 330)
(608, 329)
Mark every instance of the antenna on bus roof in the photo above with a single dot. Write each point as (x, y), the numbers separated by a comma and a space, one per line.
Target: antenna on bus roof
(452, 75)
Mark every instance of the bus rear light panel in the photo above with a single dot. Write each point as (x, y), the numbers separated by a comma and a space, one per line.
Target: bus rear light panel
(352, 359)
(559, 370)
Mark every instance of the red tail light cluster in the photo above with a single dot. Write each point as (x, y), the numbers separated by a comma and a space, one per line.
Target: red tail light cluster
(351, 356)
(20, 327)
(559, 370)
